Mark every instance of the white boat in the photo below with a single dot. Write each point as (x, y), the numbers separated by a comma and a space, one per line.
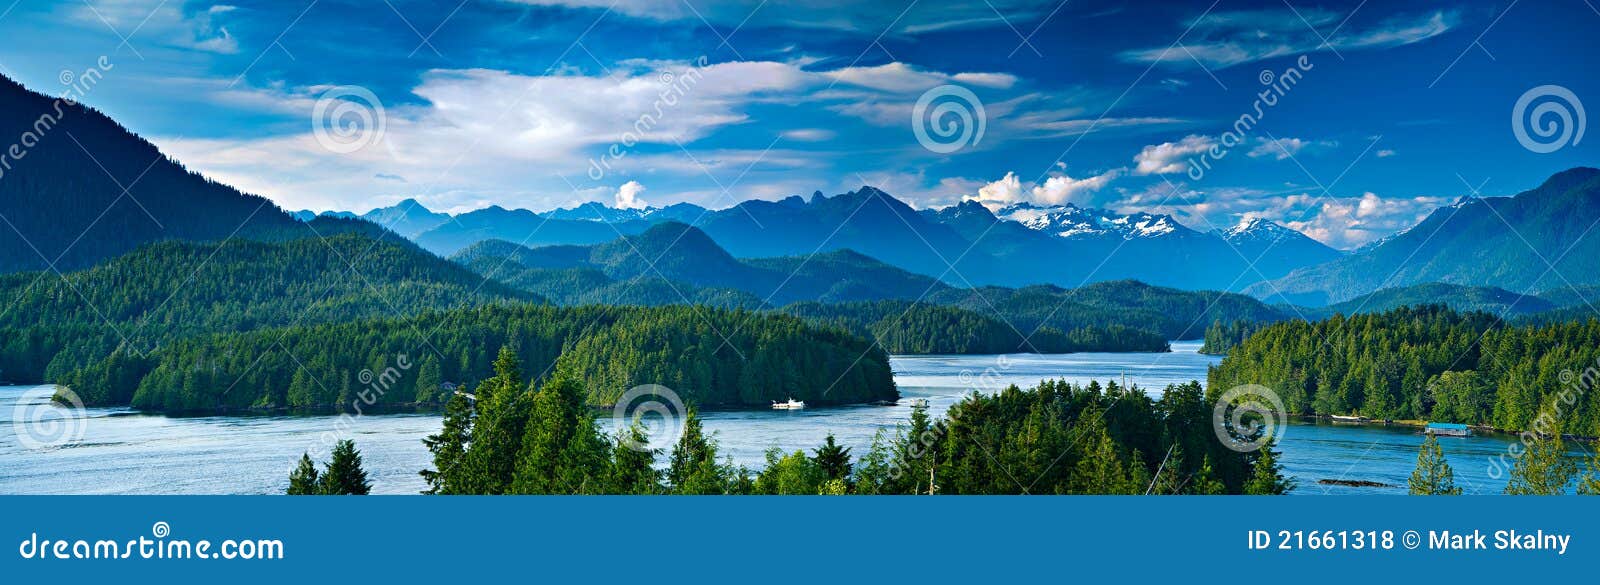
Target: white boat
(916, 402)
(792, 404)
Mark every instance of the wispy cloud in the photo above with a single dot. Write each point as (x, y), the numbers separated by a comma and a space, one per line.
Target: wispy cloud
(869, 17)
(1285, 148)
(1226, 39)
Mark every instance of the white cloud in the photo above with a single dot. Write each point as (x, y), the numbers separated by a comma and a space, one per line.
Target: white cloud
(628, 196)
(170, 23)
(899, 77)
(1058, 189)
(809, 134)
(1225, 39)
(1170, 157)
(1286, 148)
(1351, 222)
(1385, 153)
(1340, 222)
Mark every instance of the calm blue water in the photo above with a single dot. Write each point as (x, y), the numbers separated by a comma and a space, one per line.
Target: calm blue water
(121, 451)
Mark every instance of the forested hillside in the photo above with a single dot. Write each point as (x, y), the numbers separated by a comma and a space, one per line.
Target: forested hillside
(1427, 363)
(921, 328)
(1171, 313)
(710, 357)
(146, 299)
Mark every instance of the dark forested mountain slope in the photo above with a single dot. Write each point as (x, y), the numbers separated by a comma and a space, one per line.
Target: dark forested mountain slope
(172, 290)
(62, 203)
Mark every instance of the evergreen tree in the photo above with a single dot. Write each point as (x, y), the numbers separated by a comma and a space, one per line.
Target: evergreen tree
(1543, 469)
(504, 406)
(833, 459)
(428, 380)
(693, 469)
(1205, 481)
(1267, 479)
(303, 480)
(449, 446)
(344, 476)
(1433, 476)
(633, 464)
(1589, 485)
(915, 452)
(1100, 470)
(1169, 479)
(873, 473)
(548, 438)
(792, 474)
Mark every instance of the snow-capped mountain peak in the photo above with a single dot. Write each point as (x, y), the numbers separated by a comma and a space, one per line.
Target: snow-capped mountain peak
(1254, 227)
(1070, 221)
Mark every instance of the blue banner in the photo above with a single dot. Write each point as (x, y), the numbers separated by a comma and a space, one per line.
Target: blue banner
(792, 539)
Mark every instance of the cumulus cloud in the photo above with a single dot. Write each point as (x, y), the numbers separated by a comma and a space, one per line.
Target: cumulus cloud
(628, 196)
(1058, 189)
(1354, 221)
(1225, 39)
(1170, 157)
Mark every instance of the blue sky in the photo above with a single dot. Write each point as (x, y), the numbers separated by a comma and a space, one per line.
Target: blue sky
(1404, 105)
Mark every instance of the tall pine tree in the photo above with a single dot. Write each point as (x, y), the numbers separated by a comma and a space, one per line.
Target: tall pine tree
(1433, 476)
(1543, 469)
(344, 476)
(303, 480)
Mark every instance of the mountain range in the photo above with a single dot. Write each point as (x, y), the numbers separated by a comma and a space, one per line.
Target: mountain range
(965, 245)
(89, 190)
(1533, 241)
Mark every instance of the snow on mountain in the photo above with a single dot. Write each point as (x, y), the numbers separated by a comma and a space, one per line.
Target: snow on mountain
(1255, 229)
(594, 211)
(1070, 221)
